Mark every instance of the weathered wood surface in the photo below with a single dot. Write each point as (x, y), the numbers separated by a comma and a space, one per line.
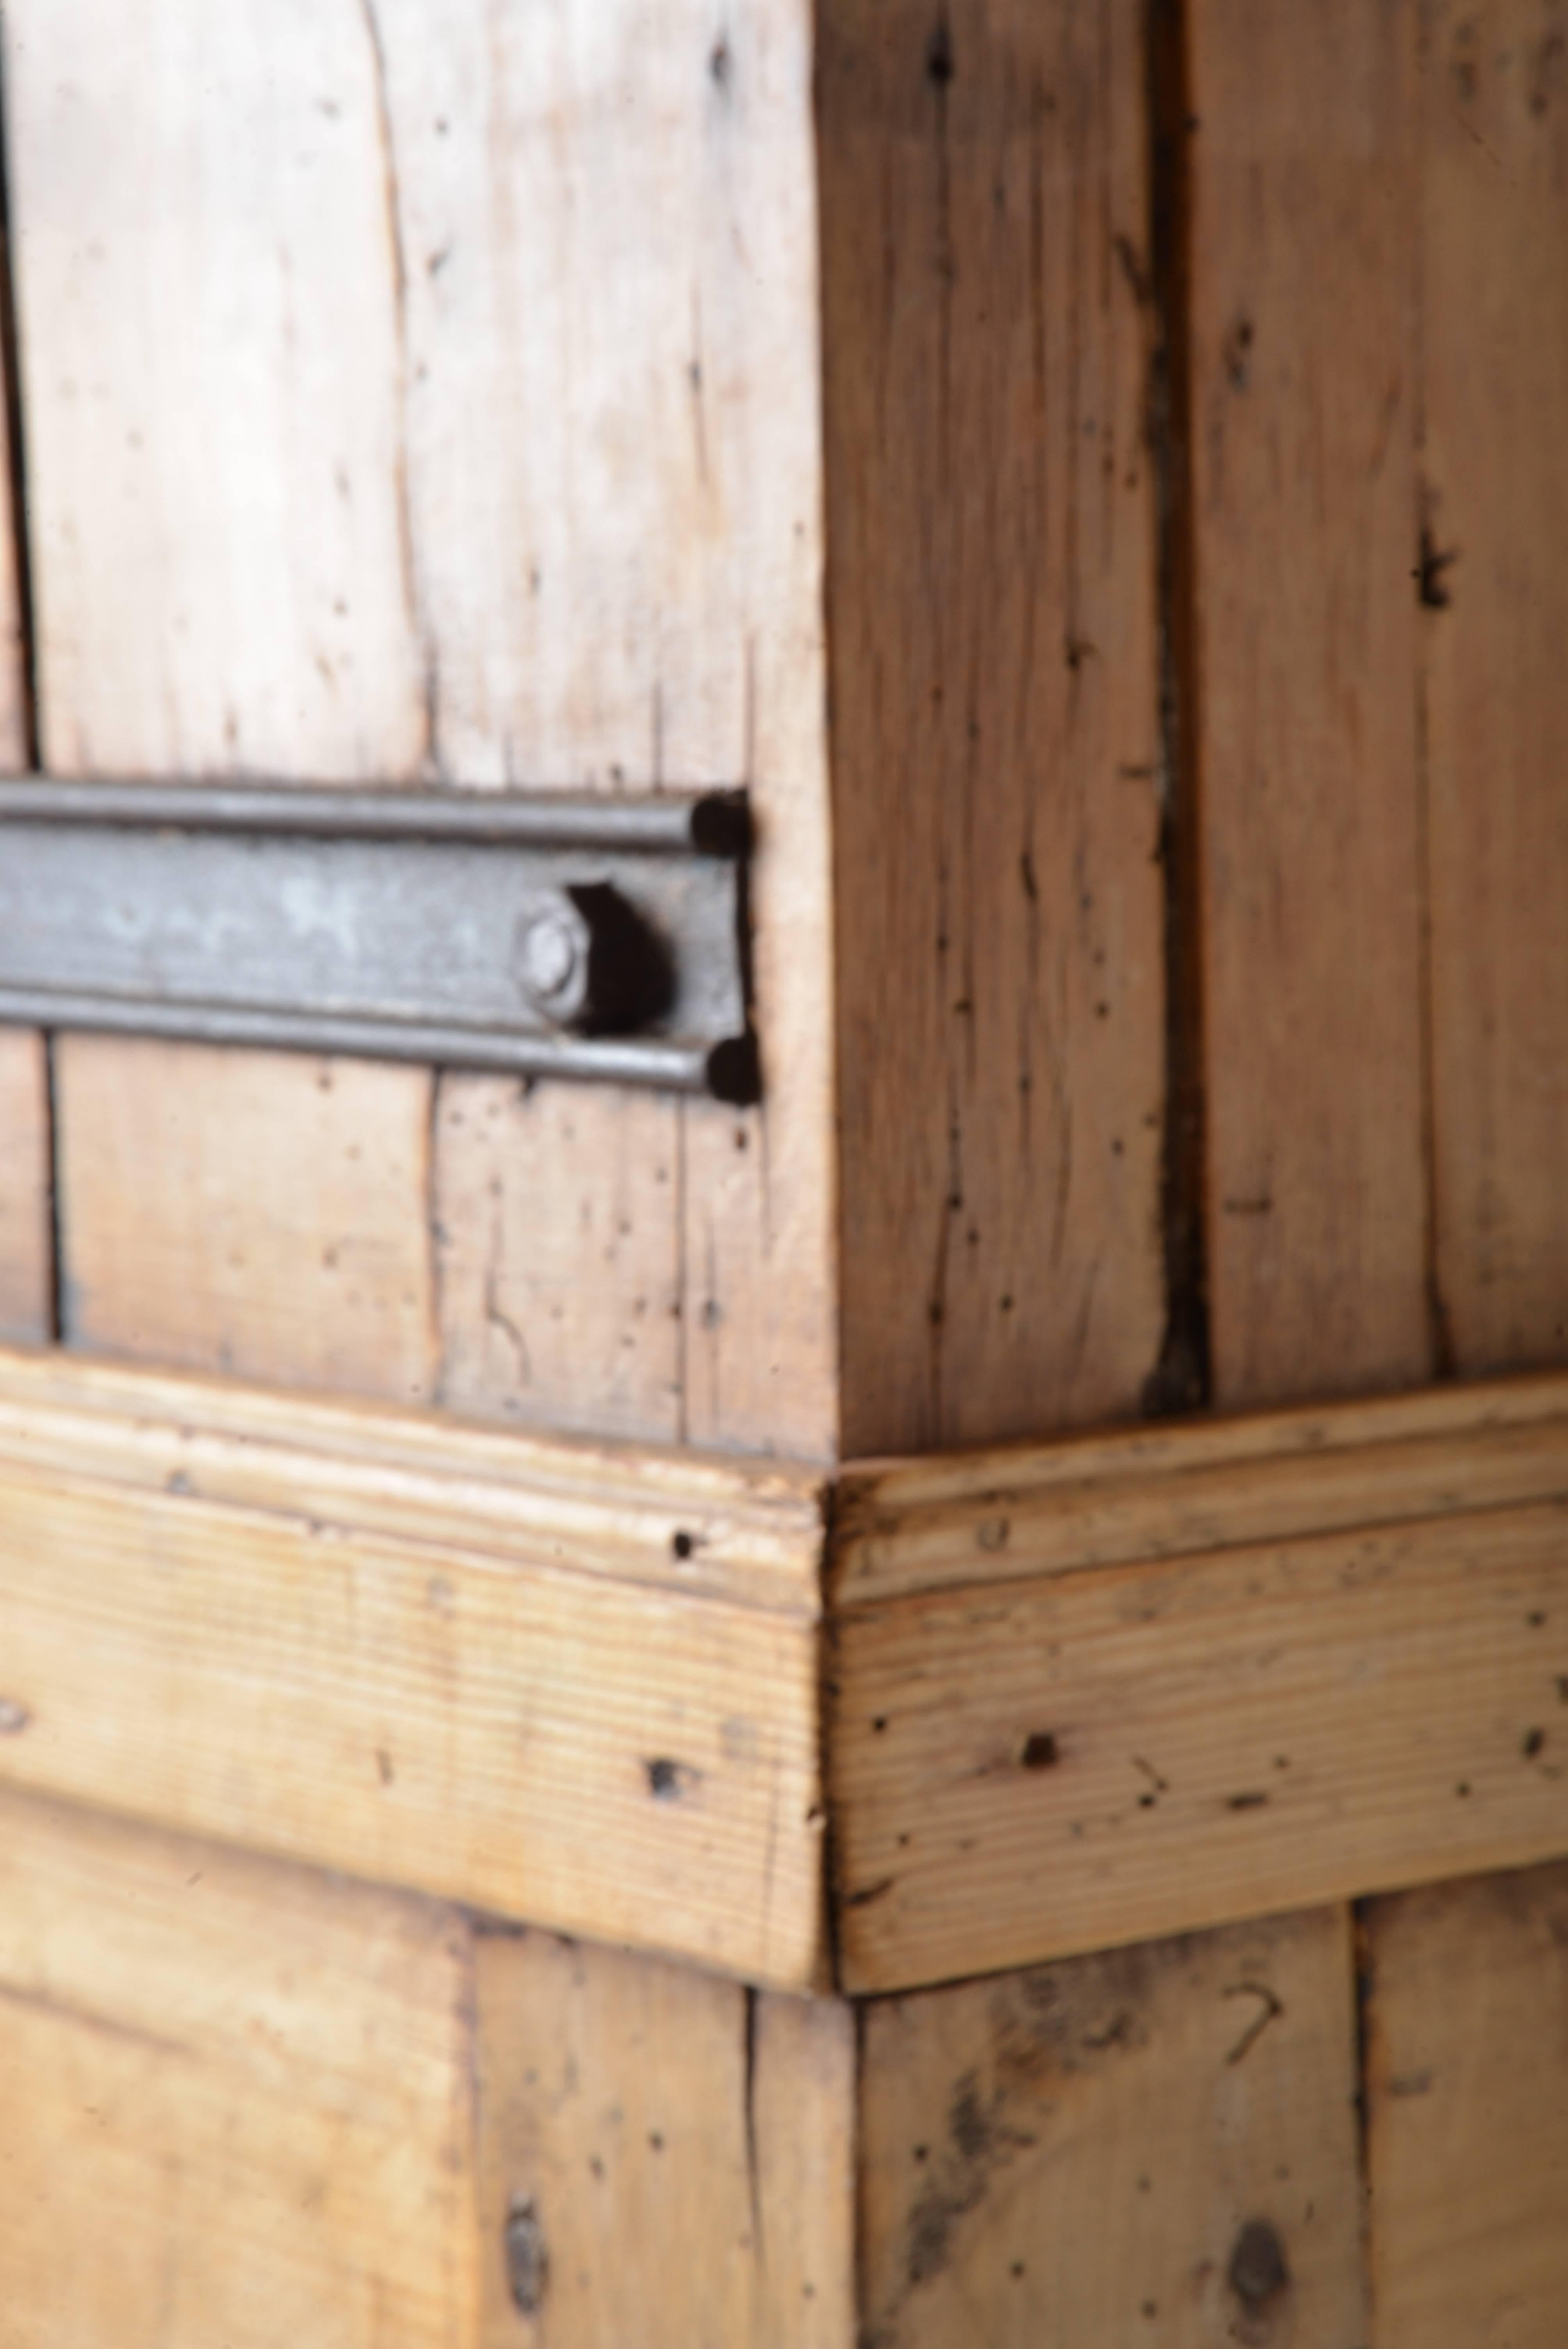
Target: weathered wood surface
(1494, 311)
(1235, 1710)
(234, 2100)
(1304, 200)
(1468, 2123)
(953, 1520)
(244, 2102)
(496, 338)
(1109, 2150)
(996, 719)
(27, 1240)
(541, 1680)
(247, 1212)
(674, 2155)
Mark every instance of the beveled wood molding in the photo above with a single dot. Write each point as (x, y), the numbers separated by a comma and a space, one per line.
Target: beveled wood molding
(1125, 1686)
(1080, 1693)
(573, 1683)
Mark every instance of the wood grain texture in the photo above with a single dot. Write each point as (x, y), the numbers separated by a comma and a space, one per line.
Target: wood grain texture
(1304, 214)
(26, 1241)
(1107, 1750)
(607, 225)
(1468, 2142)
(541, 1681)
(234, 2100)
(1076, 2153)
(679, 2152)
(953, 1520)
(539, 503)
(247, 1212)
(204, 263)
(561, 1302)
(995, 730)
(1495, 368)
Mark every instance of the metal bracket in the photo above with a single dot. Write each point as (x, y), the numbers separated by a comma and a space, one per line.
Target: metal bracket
(538, 935)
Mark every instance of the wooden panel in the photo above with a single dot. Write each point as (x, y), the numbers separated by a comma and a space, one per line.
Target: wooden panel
(1026, 1767)
(995, 728)
(1303, 383)
(26, 1277)
(1467, 2004)
(529, 1679)
(677, 2152)
(204, 263)
(1154, 2145)
(559, 1299)
(947, 1522)
(205, 266)
(607, 223)
(247, 1212)
(1495, 334)
(234, 2100)
(537, 502)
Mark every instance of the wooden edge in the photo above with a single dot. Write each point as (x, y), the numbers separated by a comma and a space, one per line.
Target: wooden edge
(1211, 1673)
(1030, 1770)
(742, 1529)
(1181, 1488)
(537, 1679)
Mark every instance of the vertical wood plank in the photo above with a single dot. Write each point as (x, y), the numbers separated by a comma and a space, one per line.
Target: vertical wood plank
(1305, 208)
(1154, 2145)
(246, 1213)
(26, 1240)
(536, 500)
(234, 2100)
(1467, 2121)
(996, 725)
(672, 2154)
(211, 368)
(1495, 349)
(559, 1300)
(607, 225)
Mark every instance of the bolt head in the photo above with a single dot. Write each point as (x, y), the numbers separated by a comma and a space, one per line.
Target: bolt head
(553, 944)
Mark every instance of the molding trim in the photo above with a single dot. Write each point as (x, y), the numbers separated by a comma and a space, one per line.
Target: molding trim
(1077, 1694)
(1123, 1687)
(567, 1682)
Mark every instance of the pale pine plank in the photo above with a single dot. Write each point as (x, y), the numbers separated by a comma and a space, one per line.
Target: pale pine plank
(316, 1641)
(247, 1212)
(996, 729)
(1495, 353)
(561, 1297)
(1029, 1769)
(1305, 217)
(949, 1522)
(234, 2100)
(540, 504)
(1467, 2011)
(609, 237)
(25, 1238)
(749, 1531)
(211, 368)
(1076, 2155)
(682, 2150)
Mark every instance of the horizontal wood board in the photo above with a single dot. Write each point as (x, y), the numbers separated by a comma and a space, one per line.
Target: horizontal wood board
(1211, 1707)
(550, 1697)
